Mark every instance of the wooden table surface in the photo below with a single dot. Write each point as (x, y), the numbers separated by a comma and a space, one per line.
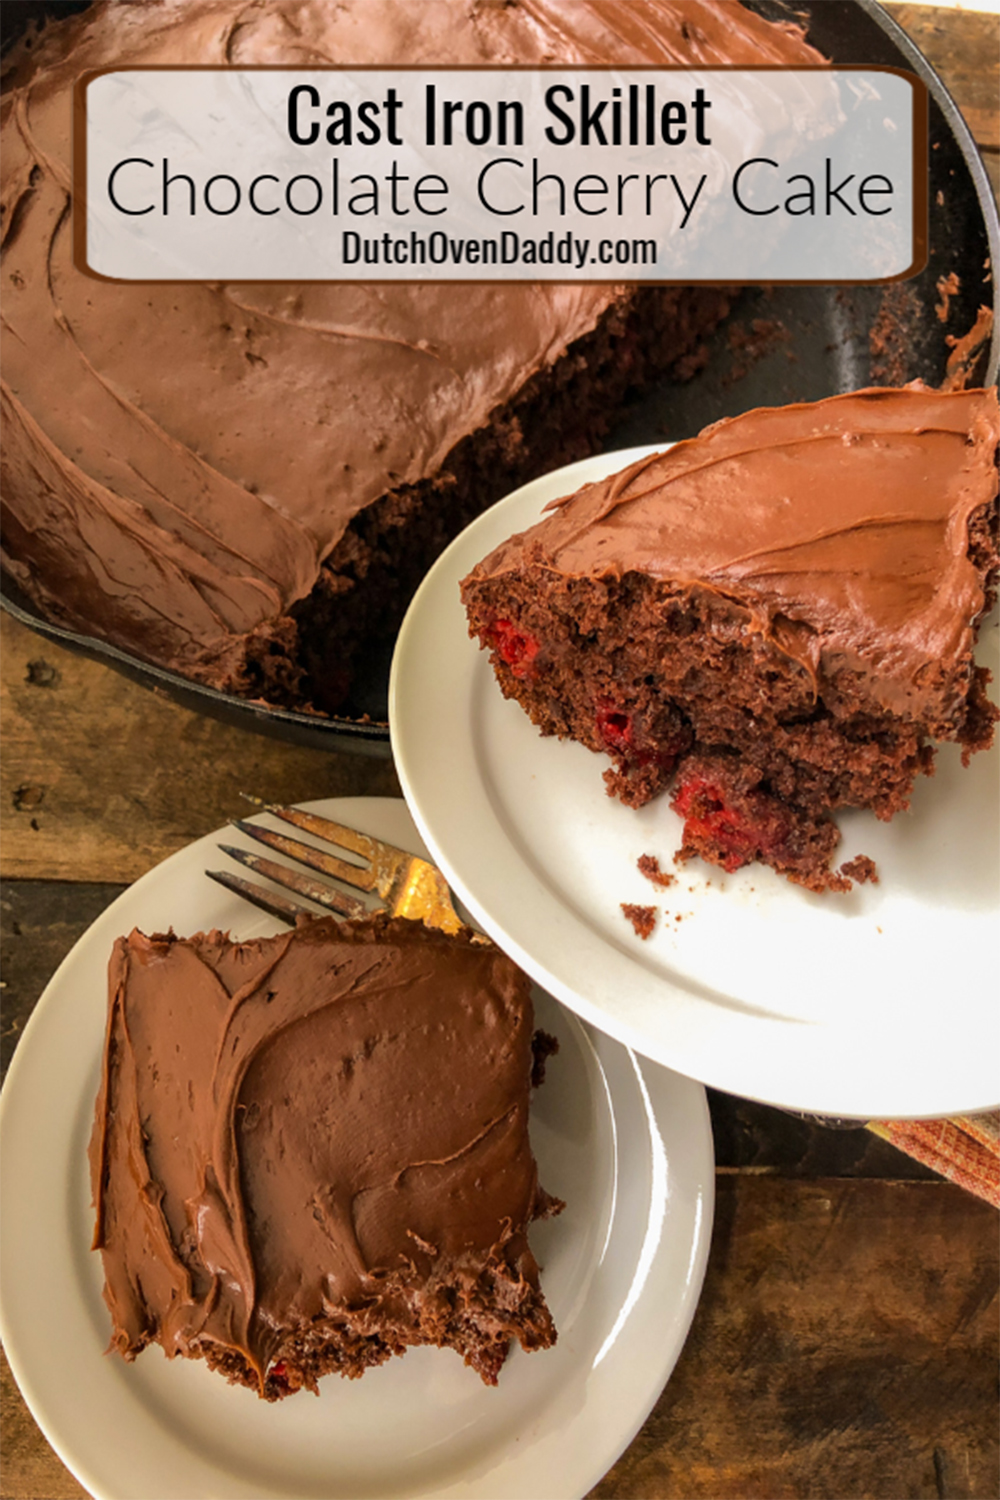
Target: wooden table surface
(846, 1341)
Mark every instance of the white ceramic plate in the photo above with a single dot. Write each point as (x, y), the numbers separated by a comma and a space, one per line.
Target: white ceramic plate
(625, 1143)
(878, 1003)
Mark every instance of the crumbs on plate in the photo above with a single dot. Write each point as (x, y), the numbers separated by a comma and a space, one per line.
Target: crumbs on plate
(649, 865)
(643, 918)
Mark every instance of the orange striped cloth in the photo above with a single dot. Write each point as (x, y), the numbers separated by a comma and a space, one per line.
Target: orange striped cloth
(965, 1149)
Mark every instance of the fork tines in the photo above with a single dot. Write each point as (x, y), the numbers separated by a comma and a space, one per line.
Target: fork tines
(302, 884)
(324, 828)
(310, 856)
(258, 895)
(293, 880)
(402, 883)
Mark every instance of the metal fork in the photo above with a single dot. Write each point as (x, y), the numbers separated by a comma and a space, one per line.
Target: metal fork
(406, 886)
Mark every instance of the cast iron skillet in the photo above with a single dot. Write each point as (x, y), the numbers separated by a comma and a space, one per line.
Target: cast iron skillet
(817, 341)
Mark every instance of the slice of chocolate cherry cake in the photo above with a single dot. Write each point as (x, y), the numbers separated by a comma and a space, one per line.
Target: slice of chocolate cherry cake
(777, 617)
(310, 1152)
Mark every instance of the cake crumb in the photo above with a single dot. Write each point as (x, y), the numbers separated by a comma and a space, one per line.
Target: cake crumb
(649, 865)
(965, 351)
(643, 918)
(947, 287)
(861, 869)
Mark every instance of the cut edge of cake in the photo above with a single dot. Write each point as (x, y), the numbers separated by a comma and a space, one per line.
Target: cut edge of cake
(774, 620)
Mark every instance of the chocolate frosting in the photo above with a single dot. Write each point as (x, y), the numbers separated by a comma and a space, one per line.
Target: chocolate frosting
(331, 1122)
(837, 531)
(181, 459)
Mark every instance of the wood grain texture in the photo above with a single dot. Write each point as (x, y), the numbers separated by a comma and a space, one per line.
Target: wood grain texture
(40, 921)
(31, 1470)
(963, 48)
(101, 779)
(845, 1345)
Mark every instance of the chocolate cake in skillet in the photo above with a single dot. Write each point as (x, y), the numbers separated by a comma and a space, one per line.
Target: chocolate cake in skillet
(242, 483)
(310, 1152)
(774, 619)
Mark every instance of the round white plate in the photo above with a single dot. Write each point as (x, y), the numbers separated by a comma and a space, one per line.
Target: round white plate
(625, 1143)
(873, 1004)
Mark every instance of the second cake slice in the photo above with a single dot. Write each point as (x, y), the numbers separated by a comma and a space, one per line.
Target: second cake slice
(778, 616)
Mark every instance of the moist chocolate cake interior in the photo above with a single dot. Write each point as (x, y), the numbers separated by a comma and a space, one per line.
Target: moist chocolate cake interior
(777, 617)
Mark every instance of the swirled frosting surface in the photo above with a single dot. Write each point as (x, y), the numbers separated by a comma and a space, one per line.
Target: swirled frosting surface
(180, 459)
(839, 531)
(317, 1124)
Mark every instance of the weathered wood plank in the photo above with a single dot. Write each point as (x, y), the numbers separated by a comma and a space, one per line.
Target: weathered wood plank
(31, 1470)
(101, 779)
(39, 923)
(752, 1137)
(963, 48)
(846, 1345)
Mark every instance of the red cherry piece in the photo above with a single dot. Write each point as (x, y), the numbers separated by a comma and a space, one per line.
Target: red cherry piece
(739, 834)
(518, 648)
(615, 730)
(617, 733)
